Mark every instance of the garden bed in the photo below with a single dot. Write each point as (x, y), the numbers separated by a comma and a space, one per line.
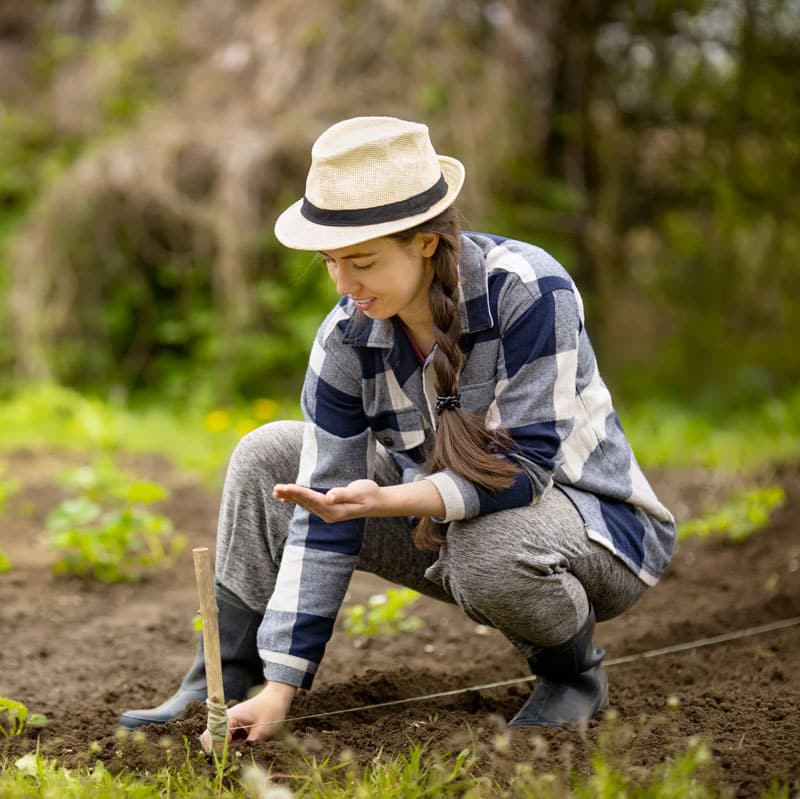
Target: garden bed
(82, 652)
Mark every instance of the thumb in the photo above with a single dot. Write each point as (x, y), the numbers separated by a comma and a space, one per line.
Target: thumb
(337, 495)
(236, 732)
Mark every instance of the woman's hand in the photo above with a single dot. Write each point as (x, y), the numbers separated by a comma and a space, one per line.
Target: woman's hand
(258, 718)
(363, 498)
(354, 501)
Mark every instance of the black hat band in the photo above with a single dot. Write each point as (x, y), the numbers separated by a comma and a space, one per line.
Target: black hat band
(390, 212)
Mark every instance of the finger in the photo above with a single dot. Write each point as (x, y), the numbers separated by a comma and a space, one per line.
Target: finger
(294, 493)
(285, 489)
(237, 735)
(342, 495)
(263, 733)
(283, 493)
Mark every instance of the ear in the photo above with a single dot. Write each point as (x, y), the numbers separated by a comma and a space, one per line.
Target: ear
(427, 243)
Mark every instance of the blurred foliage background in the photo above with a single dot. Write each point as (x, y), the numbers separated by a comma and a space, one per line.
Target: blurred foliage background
(146, 148)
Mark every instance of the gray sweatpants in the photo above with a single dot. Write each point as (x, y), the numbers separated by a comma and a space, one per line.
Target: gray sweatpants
(530, 572)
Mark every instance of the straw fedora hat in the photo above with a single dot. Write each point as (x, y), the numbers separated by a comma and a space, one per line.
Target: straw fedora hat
(369, 177)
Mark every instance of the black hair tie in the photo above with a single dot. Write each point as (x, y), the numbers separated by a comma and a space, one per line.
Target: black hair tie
(447, 403)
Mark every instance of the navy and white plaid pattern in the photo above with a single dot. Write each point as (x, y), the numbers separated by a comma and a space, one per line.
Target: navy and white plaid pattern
(529, 369)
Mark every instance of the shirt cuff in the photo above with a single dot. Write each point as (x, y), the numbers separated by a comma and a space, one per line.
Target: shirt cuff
(290, 669)
(454, 506)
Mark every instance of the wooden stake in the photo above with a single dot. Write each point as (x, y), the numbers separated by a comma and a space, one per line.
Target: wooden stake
(208, 613)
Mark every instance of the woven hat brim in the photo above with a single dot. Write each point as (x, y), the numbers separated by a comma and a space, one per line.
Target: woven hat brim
(293, 230)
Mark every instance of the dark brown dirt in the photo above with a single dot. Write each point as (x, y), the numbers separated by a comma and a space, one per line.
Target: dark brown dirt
(82, 652)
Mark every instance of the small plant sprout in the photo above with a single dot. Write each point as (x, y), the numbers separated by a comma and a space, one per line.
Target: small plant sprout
(15, 717)
(100, 481)
(673, 702)
(745, 513)
(106, 532)
(384, 614)
(5, 563)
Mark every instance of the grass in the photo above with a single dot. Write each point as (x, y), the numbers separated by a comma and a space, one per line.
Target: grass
(419, 774)
(195, 439)
(664, 435)
(745, 513)
(669, 435)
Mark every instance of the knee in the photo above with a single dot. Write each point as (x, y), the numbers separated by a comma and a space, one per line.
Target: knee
(532, 598)
(268, 449)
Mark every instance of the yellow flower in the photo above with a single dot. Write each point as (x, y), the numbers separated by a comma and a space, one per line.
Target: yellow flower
(217, 421)
(265, 410)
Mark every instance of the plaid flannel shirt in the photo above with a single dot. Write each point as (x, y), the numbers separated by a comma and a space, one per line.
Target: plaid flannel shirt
(529, 368)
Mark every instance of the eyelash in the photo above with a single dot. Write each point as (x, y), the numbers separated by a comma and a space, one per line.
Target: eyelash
(330, 263)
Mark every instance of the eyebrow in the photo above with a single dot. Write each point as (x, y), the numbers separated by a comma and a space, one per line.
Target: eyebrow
(352, 255)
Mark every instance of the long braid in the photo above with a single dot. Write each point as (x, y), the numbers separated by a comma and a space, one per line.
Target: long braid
(447, 358)
(463, 444)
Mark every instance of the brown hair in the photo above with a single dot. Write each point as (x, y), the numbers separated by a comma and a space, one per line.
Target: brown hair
(463, 444)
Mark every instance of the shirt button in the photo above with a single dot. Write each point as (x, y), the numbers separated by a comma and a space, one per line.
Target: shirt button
(387, 441)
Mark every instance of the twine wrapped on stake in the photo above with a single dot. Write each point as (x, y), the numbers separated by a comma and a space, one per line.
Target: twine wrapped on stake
(217, 712)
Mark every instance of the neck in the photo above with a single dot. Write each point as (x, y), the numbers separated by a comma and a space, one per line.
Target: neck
(422, 335)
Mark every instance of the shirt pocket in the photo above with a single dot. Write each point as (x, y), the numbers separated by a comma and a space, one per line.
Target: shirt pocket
(399, 431)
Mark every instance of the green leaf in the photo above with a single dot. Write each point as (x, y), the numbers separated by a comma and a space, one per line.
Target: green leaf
(384, 614)
(74, 512)
(744, 514)
(16, 713)
(144, 493)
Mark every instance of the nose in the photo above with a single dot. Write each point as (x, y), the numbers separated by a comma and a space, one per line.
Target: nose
(344, 279)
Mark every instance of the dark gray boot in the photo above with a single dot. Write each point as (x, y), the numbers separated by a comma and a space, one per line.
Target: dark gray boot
(241, 664)
(571, 682)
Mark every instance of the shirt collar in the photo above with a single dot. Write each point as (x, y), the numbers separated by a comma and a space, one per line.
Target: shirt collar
(473, 305)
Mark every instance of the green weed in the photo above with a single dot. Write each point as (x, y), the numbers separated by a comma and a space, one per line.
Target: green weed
(15, 716)
(384, 614)
(420, 773)
(193, 438)
(745, 513)
(668, 435)
(106, 532)
(5, 563)
(7, 490)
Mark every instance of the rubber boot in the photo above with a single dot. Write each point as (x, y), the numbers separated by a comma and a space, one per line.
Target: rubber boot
(241, 664)
(571, 684)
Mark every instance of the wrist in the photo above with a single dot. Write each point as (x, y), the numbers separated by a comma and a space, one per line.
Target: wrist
(279, 693)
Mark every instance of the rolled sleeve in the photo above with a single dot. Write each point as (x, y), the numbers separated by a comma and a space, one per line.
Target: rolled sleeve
(464, 500)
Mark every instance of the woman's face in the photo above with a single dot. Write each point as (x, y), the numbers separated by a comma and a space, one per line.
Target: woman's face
(386, 277)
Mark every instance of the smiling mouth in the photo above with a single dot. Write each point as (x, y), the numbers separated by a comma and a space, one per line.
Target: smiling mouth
(363, 302)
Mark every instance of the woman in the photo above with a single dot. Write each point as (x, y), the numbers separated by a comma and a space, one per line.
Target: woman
(458, 440)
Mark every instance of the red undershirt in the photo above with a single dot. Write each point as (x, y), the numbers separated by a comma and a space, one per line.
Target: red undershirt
(417, 350)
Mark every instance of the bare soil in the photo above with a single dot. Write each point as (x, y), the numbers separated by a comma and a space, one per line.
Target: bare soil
(82, 652)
